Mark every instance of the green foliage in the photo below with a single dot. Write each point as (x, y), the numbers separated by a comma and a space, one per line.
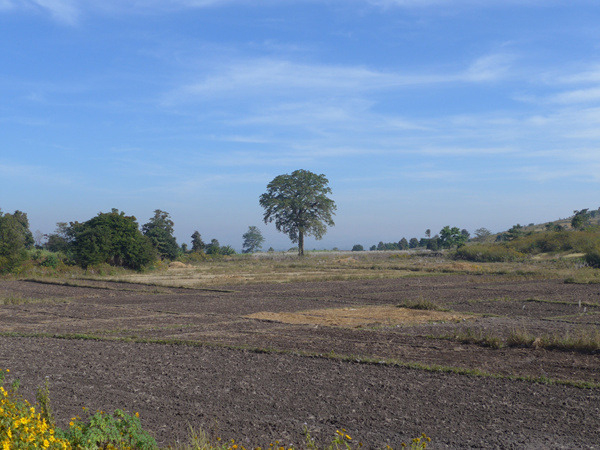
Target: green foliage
(552, 242)
(198, 244)
(43, 398)
(358, 248)
(21, 217)
(112, 238)
(60, 240)
(299, 205)
(213, 248)
(514, 232)
(482, 234)
(403, 244)
(387, 246)
(160, 231)
(450, 237)
(193, 258)
(488, 253)
(102, 430)
(253, 240)
(13, 241)
(592, 258)
(413, 243)
(581, 219)
(226, 250)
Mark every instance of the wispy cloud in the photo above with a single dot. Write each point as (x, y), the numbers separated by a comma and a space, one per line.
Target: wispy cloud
(257, 76)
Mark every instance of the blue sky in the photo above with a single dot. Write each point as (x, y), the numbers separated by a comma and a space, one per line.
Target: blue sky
(422, 113)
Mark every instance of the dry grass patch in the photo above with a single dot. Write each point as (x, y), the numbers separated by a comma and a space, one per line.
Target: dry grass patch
(355, 317)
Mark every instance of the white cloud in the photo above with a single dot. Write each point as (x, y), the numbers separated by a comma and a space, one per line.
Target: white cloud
(66, 11)
(578, 96)
(489, 68)
(274, 76)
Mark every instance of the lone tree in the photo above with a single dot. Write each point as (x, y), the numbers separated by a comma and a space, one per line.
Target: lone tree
(299, 205)
(253, 240)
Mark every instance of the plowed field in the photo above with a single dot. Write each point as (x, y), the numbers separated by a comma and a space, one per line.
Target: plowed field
(260, 362)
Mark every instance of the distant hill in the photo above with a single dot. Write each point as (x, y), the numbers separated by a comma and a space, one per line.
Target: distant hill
(594, 219)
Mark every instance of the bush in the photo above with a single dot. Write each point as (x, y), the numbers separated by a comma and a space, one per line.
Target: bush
(592, 258)
(358, 248)
(488, 253)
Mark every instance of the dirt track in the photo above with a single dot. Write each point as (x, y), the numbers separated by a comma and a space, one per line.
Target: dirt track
(266, 396)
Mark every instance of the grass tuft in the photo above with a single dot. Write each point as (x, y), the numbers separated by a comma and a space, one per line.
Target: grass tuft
(422, 304)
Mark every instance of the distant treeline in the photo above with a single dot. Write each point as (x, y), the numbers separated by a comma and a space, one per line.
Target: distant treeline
(109, 238)
(448, 237)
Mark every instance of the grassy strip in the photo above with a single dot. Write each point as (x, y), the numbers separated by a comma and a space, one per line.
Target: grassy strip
(582, 341)
(433, 368)
(533, 300)
(20, 300)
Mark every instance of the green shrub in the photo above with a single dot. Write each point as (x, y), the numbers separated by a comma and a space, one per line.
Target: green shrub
(592, 258)
(103, 430)
(488, 253)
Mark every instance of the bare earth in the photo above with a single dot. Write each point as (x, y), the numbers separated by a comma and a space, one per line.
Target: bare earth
(254, 362)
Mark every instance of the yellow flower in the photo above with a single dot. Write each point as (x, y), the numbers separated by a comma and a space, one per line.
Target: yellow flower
(46, 443)
(137, 414)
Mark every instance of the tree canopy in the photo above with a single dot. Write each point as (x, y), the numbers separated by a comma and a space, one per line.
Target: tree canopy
(299, 206)
(198, 244)
(112, 238)
(14, 239)
(160, 231)
(253, 240)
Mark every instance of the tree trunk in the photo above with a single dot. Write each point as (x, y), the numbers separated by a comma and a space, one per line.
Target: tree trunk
(300, 243)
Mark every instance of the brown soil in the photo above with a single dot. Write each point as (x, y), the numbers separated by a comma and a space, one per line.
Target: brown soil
(259, 396)
(360, 316)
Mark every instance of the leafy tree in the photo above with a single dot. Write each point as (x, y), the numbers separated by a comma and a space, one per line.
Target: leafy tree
(428, 233)
(450, 237)
(184, 248)
(213, 248)
(481, 234)
(112, 238)
(198, 244)
(24, 222)
(271, 250)
(413, 243)
(60, 240)
(253, 240)
(299, 205)
(358, 248)
(466, 235)
(403, 244)
(373, 248)
(13, 241)
(581, 219)
(160, 231)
